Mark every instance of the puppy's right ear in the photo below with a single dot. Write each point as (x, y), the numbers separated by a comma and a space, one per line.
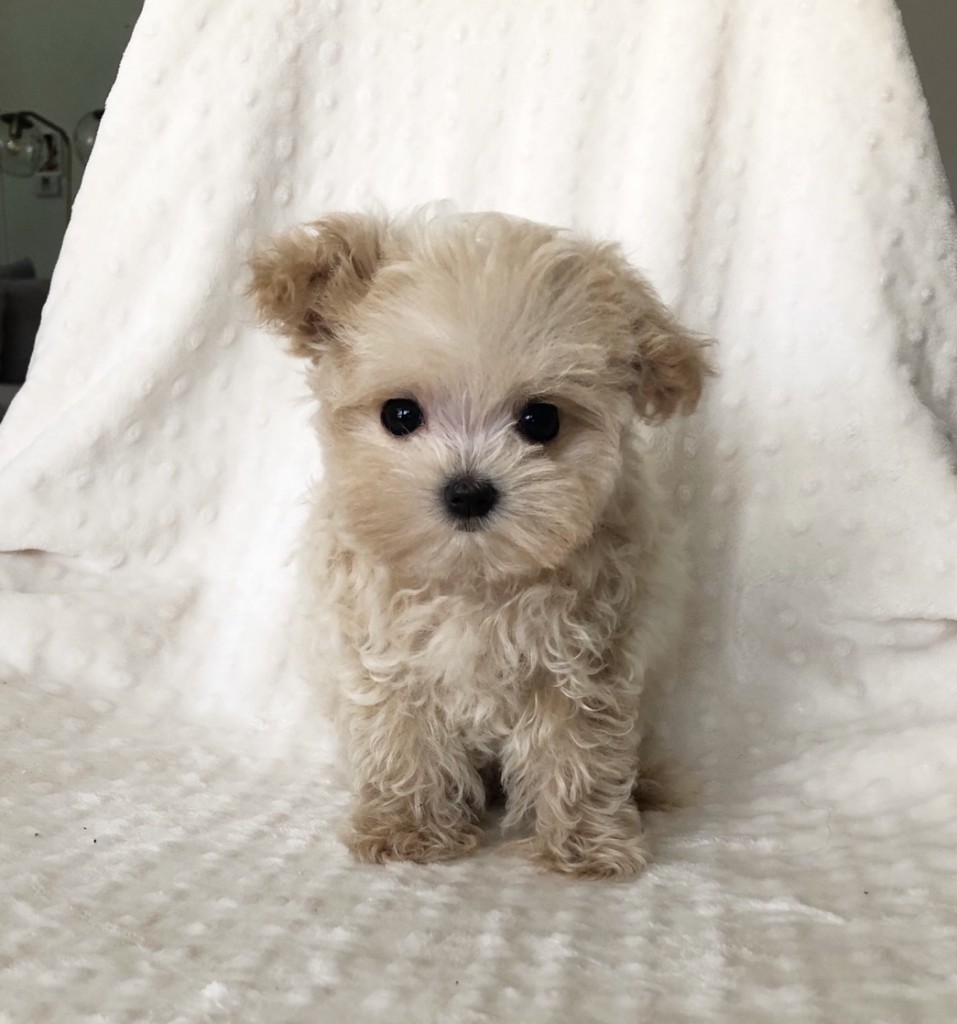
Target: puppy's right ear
(306, 281)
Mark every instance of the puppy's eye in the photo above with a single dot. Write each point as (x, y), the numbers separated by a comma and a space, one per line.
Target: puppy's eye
(538, 422)
(401, 416)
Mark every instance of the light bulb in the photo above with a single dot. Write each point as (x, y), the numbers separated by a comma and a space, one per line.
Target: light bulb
(84, 134)
(22, 147)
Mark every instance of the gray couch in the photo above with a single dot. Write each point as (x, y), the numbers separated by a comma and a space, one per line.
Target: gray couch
(22, 295)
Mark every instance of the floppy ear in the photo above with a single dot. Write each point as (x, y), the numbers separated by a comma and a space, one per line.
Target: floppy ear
(668, 362)
(306, 281)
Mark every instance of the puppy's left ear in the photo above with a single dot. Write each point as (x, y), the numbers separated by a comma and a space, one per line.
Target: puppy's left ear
(669, 363)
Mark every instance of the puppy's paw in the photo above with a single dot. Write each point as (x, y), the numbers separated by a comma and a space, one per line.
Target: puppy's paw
(376, 839)
(611, 857)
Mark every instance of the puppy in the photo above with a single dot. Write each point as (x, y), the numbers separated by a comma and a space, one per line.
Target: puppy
(494, 572)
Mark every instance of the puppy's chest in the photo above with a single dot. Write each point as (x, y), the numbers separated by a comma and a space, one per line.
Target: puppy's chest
(474, 658)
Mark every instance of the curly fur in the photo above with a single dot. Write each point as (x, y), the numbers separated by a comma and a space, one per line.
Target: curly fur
(527, 643)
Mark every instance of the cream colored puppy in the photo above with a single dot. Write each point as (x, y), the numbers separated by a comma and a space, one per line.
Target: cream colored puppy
(498, 570)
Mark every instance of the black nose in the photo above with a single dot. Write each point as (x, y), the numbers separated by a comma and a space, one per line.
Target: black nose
(468, 498)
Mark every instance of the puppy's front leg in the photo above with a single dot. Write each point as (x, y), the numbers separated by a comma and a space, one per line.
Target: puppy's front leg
(574, 763)
(417, 796)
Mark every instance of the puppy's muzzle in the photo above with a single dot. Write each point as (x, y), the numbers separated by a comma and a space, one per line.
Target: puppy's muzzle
(468, 500)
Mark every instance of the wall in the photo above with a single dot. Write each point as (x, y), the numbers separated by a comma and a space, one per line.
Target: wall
(932, 33)
(59, 58)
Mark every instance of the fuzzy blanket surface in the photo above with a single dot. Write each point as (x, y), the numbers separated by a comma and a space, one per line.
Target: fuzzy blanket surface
(168, 799)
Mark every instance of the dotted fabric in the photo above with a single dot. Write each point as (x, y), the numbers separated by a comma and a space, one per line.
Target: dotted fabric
(168, 799)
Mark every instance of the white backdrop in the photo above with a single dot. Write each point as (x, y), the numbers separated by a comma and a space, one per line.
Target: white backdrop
(772, 169)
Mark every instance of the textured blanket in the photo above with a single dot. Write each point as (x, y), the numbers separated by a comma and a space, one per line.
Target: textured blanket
(168, 799)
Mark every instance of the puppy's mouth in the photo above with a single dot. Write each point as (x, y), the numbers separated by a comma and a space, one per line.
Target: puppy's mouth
(473, 524)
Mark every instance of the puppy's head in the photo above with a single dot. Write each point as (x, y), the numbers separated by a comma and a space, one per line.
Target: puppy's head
(476, 374)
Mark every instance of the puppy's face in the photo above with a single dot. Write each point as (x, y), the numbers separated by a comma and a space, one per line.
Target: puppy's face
(475, 376)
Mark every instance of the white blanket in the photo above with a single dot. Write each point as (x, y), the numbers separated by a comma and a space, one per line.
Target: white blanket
(168, 801)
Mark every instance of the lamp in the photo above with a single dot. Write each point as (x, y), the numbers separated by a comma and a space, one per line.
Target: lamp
(25, 149)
